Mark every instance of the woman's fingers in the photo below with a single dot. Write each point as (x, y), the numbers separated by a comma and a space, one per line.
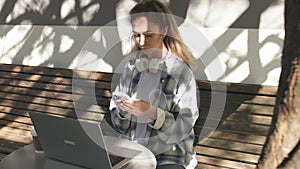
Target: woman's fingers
(137, 107)
(121, 104)
(134, 106)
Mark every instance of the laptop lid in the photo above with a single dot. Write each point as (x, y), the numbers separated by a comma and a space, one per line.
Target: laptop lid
(74, 141)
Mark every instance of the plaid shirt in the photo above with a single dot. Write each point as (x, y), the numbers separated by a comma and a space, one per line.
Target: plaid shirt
(171, 136)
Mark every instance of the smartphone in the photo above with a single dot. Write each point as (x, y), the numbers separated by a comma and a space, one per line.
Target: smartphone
(120, 95)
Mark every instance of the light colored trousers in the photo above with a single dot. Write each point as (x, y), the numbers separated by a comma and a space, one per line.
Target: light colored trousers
(148, 161)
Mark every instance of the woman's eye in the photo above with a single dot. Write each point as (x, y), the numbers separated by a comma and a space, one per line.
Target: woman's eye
(145, 35)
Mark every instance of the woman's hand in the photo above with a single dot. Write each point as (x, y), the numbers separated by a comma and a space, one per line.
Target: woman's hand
(139, 107)
(121, 104)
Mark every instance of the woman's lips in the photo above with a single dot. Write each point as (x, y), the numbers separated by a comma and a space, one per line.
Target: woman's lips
(144, 49)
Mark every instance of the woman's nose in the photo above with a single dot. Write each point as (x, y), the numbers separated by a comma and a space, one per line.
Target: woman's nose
(142, 40)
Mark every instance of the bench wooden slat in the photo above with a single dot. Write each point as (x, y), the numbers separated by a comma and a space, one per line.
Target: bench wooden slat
(208, 161)
(250, 128)
(4, 142)
(253, 89)
(36, 70)
(254, 109)
(241, 98)
(92, 114)
(209, 166)
(227, 154)
(15, 124)
(46, 98)
(233, 145)
(15, 118)
(238, 137)
(15, 134)
(54, 90)
(241, 117)
(55, 72)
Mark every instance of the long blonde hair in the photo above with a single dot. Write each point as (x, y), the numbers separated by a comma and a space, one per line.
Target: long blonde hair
(158, 13)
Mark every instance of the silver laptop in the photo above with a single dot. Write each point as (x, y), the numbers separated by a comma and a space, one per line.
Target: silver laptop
(66, 140)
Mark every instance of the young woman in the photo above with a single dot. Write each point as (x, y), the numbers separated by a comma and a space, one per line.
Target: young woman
(162, 104)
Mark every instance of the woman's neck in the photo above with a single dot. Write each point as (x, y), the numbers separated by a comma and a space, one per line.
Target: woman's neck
(159, 53)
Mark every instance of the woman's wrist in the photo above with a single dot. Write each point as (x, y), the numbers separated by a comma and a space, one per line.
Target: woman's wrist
(152, 113)
(160, 119)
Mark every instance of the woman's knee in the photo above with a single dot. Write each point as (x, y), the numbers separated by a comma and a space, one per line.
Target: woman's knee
(138, 163)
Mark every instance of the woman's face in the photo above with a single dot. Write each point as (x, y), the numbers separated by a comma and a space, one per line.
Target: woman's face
(148, 36)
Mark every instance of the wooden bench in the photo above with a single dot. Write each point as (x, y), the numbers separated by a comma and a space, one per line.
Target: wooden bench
(235, 143)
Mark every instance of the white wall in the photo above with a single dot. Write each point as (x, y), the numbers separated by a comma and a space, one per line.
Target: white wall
(233, 41)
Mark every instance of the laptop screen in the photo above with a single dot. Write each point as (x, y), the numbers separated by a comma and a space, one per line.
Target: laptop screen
(72, 141)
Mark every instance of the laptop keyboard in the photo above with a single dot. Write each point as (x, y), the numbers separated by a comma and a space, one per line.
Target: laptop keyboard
(114, 159)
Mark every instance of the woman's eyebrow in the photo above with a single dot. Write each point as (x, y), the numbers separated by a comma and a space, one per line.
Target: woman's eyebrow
(148, 31)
